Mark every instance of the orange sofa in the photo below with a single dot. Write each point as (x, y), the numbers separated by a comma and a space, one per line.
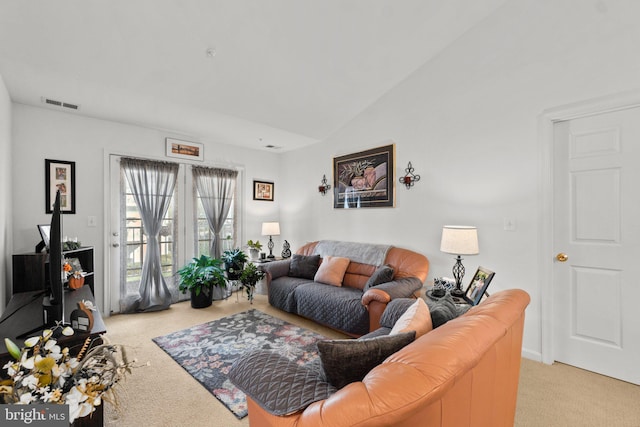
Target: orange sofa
(463, 373)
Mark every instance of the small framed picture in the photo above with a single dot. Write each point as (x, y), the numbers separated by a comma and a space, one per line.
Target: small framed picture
(60, 175)
(185, 149)
(45, 232)
(478, 285)
(263, 190)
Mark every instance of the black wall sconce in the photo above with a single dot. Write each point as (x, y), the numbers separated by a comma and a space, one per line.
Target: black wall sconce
(409, 178)
(324, 187)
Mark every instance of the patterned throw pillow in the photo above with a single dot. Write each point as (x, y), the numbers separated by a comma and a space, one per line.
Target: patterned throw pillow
(332, 270)
(304, 266)
(347, 361)
(383, 274)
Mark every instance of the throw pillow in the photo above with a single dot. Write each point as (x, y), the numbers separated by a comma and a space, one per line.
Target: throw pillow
(347, 361)
(304, 266)
(416, 318)
(332, 270)
(443, 310)
(383, 274)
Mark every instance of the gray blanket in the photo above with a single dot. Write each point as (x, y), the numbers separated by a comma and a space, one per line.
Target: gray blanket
(365, 253)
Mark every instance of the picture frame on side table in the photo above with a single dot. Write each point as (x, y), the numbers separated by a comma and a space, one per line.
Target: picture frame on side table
(60, 175)
(263, 190)
(478, 286)
(365, 179)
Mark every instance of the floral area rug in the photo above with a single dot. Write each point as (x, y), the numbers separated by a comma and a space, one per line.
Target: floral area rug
(207, 351)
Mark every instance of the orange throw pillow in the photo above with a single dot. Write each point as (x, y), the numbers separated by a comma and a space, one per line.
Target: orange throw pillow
(332, 270)
(416, 318)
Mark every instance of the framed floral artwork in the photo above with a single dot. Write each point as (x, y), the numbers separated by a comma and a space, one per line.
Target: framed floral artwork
(60, 175)
(365, 179)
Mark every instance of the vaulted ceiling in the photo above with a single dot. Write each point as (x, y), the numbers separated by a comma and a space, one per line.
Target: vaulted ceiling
(286, 73)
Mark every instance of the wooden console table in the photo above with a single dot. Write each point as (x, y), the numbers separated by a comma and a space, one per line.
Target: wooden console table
(23, 315)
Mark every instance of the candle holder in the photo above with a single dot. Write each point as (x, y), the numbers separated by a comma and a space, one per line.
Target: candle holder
(409, 178)
(324, 187)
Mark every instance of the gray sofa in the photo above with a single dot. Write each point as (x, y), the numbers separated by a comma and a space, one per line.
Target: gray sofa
(375, 275)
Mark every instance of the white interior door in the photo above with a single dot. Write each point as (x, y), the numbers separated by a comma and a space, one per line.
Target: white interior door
(597, 226)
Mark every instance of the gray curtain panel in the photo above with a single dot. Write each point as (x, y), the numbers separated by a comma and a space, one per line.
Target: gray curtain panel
(216, 188)
(152, 184)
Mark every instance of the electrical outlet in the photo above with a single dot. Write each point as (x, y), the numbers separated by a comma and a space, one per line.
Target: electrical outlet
(509, 224)
(92, 221)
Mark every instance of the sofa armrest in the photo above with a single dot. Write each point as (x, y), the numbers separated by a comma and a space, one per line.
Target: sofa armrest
(377, 298)
(280, 386)
(274, 269)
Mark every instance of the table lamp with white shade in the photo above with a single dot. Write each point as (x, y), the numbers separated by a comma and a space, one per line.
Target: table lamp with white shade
(459, 240)
(270, 229)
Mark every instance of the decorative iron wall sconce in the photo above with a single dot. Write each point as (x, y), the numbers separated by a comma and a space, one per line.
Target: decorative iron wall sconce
(409, 178)
(324, 187)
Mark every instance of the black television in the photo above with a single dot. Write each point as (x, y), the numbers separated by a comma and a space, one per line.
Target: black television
(53, 303)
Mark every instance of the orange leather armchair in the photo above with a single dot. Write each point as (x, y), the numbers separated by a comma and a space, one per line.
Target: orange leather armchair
(464, 373)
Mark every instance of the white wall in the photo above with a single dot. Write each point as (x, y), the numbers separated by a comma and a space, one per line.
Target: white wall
(43, 133)
(467, 121)
(5, 190)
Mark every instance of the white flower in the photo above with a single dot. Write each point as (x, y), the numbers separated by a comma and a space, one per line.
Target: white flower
(30, 381)
(30, 342)
(77, 404)
(50, 344)
(67, 331)
(26, 398)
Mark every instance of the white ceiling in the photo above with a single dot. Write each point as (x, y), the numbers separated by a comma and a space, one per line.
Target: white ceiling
(285, 72)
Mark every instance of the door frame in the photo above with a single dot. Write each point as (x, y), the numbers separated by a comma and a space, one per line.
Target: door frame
(546, 122)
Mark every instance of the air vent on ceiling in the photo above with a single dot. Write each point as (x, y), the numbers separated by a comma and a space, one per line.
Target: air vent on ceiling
(59, 103)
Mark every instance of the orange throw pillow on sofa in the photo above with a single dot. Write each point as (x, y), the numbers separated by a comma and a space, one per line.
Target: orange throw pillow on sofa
(416, 318)
(332, 270)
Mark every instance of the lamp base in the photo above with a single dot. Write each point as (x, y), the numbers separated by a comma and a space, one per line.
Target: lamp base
(457, 292)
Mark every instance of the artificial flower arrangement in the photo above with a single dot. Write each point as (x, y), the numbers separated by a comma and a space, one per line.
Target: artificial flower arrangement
(43, 372)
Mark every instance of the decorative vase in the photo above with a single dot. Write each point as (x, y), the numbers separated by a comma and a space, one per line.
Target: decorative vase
(254, 253)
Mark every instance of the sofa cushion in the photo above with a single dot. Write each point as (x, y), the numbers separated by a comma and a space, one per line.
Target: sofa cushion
(443, 310)
(383, 274)
(304, 266)
(332, 270)
(337, 307)
(416, 318)
(347, 361)
(277, 384)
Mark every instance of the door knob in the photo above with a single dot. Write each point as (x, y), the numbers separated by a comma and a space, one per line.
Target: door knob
(562, 257)
(115, 245)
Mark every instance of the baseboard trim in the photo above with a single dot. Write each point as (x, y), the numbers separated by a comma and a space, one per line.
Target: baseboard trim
(533, 355)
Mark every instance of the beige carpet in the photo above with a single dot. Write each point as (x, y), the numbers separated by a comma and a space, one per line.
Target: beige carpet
(163, 394)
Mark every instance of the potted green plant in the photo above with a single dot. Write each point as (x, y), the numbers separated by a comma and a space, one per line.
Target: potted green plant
(254, 248)
(250, 276)
(199, 277)
(234, 260)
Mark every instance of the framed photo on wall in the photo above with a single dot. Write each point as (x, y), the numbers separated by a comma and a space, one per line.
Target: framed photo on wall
(478, 285)
(60, 175)
(184, 149)
(263, 190)
(365, 179)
